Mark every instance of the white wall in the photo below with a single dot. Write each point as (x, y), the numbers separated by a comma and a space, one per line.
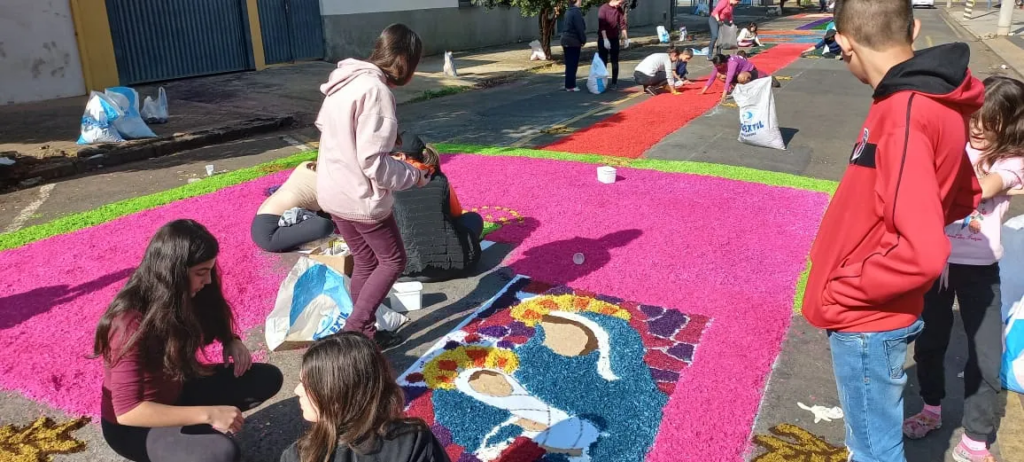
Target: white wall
(38, 51)
(332, 7)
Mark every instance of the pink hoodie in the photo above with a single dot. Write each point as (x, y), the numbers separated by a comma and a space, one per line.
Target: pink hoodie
(358, 128)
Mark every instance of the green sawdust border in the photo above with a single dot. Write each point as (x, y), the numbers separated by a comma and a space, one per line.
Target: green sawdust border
(74, 222)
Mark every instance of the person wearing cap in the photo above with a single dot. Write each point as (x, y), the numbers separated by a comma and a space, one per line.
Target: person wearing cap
(829, 40)
(441, 239)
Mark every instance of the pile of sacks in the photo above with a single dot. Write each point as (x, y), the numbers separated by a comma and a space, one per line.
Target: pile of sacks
(113, 116)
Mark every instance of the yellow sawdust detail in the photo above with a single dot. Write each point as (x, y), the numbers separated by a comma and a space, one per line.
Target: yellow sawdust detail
(531, 311)
(782, 77)
(40, 441)
(790, 443)
(441, 371)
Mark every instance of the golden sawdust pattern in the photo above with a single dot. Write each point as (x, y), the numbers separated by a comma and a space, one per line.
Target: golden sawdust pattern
(441, 371)
(794, 444)
(486, 212)
(531, 311)
(40, 441)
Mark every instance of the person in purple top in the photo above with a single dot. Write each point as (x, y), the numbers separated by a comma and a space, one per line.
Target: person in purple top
(732, 70)
(611, 26)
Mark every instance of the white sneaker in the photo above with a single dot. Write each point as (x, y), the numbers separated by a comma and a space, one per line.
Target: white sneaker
(573, 90)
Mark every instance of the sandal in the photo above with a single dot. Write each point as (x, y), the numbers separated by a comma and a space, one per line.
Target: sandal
(921, 424)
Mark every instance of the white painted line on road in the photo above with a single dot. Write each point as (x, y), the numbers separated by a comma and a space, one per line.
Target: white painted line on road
(928, 38)
(28, 211)
(296, 143)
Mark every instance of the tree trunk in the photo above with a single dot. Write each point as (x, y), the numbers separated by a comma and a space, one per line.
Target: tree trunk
(547, 30)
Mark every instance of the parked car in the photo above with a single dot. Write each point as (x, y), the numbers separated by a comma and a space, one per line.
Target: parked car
(924, 3)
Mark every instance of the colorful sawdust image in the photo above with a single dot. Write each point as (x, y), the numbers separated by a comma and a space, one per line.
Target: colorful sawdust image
(573, 372)
(39, 441)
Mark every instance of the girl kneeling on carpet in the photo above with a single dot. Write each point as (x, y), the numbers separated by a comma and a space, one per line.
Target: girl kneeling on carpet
(160, 403)
(442, 240)
(732, 70)
(996, 148)
(346, 390)
(357, 174)
(289, 218)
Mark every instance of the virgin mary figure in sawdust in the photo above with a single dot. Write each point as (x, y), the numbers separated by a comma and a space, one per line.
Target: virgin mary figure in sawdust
(580, 388)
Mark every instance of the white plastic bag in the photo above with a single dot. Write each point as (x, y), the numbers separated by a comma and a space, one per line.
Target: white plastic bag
(449, 65)
(728, 36)
(597, 82)
(314, 303)
(759, 125)
(155, 112)
(663, 36)
(98, 120)
(1011, 274)
(538, 51)
(131, 126)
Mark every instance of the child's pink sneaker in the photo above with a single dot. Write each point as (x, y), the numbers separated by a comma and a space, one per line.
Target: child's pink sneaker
(961, 453)
(921, 424)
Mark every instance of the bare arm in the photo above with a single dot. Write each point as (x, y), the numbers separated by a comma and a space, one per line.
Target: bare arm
(151, 415)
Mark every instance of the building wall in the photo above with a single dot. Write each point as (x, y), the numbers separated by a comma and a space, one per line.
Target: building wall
(39, 57)
(350, 30)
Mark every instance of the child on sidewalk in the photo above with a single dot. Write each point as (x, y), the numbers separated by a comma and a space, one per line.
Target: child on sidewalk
(356, 173)
(658, 70)
(996, 149)
(881, 245)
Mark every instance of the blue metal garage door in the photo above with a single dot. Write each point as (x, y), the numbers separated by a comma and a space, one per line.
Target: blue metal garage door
(170, 39)
(292, 30)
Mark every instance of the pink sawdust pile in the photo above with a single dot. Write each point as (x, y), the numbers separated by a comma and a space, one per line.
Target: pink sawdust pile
(55, 290)
(727, 249)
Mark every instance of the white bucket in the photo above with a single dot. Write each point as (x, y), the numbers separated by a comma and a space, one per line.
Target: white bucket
(406, 296)
(606, 174)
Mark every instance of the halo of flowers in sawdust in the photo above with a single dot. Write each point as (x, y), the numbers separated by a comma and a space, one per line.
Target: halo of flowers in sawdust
(531, 311)
(441, 371)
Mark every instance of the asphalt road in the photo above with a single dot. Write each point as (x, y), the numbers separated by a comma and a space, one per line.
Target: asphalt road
(821, 108)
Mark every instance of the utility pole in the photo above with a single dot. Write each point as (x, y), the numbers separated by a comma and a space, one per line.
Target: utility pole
(1005, 18)
(968, 9)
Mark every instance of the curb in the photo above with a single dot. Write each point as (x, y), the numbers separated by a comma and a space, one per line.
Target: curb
(96, 157)
(1000, 46)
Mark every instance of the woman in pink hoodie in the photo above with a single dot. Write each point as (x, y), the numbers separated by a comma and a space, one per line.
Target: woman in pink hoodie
(356, 172)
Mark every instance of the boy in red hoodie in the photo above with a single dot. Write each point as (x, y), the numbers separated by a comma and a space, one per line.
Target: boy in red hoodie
(881, 243)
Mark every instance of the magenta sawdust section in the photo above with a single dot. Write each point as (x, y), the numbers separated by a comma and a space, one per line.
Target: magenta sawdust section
(55, 290)
(553, 371)
(721, 249)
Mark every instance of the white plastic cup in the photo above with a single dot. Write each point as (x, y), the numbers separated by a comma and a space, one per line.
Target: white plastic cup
(606, 174)
(209, 170)
(578, 258)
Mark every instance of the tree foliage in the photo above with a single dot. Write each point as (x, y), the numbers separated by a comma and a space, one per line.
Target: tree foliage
(547, 13)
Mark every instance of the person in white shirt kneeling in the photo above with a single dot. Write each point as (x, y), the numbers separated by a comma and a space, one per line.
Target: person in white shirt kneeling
(659, 70)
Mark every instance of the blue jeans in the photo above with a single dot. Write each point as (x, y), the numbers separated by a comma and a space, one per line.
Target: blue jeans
(870, 378)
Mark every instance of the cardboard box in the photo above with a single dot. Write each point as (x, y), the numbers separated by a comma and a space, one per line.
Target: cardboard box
(341, 263)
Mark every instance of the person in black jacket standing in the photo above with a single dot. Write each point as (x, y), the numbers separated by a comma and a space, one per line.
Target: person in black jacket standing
(573, 38)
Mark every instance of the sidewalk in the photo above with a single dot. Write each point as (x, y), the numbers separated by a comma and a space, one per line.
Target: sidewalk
(40, 137)
(982, 26)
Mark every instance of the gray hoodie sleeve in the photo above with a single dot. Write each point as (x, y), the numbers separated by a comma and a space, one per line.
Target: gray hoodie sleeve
(376, 131)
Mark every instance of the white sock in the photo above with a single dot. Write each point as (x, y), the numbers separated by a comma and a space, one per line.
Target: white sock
(974, 445)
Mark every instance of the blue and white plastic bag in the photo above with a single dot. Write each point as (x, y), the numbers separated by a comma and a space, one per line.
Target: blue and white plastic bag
(1011, 287)
(597, 82)
(130, 126)
(663, 36)
(98, 120)
(313, 303)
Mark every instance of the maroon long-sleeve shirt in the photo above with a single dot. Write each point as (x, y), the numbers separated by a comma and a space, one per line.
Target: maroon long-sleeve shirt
(611, 21)
(126, 383)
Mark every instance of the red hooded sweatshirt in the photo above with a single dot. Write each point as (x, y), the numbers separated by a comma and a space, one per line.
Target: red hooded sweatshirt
(881, 243)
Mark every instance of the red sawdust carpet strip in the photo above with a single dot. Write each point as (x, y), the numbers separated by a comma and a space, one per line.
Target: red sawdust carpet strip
(633, 131)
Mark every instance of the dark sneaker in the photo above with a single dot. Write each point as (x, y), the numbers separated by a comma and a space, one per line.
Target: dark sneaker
(650, 91)
(387, 340)
(775, 83)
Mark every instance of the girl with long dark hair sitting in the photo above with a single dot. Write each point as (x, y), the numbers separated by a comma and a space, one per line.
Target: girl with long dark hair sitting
(160, 403)
(441, 239)
(346, 390)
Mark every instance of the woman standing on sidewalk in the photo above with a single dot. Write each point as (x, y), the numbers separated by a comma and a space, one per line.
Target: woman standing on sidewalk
(356, 172)
(611, 24)
(722, 14)
(573, 39)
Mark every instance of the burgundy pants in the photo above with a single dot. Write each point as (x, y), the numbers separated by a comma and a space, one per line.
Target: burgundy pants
(378, 260)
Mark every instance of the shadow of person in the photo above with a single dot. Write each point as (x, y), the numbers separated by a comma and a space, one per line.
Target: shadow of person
(553, 262)
(18, 308)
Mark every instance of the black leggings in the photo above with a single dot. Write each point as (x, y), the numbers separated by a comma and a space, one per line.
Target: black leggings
(198, 443)
(273, 238)
(656, 80)
(610, 57)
